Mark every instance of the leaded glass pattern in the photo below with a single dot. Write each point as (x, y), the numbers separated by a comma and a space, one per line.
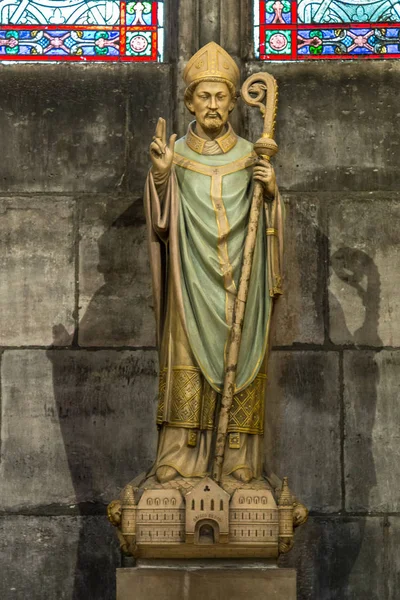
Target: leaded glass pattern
(88, 30)
(326, 29)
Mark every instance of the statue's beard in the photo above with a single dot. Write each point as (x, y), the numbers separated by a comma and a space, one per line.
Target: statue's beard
(213, 124)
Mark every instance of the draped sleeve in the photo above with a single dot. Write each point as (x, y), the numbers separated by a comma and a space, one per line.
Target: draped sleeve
(157, 204)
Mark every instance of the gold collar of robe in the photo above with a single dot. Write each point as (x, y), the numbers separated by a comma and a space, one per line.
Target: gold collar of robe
(226, 142)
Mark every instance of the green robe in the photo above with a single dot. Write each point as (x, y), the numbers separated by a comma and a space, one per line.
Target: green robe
(207, 294)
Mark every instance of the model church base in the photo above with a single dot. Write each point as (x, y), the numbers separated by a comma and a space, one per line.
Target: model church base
(198, 582)
(192, 519)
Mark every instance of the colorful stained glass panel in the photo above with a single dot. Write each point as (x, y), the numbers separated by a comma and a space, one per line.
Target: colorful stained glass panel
(81, 30)
(318, 29)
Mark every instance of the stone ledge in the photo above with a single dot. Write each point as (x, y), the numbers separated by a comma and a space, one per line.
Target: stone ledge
(198, 583)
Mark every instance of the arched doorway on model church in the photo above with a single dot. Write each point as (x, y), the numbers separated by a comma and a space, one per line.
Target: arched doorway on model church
(207, 532)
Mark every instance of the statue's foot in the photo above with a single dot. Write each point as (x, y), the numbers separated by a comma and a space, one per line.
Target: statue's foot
(244, 475)
(165, 474)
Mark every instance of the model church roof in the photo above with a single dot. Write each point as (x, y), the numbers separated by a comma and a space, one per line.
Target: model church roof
(208, 486)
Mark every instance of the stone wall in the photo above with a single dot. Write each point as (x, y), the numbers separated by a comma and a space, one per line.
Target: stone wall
(78, 362)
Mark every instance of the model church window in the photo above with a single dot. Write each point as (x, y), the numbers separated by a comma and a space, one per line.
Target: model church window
(318, 29)
(87, 30)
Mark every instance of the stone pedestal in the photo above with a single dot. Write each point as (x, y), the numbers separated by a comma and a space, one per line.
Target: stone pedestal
(212, 580)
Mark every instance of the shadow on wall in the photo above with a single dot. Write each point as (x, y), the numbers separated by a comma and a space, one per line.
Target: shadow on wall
(120, 314)
(106, 434)
(327, 549)
(358, 270)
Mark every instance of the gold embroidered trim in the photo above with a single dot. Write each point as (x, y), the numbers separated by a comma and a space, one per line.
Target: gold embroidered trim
(192, 400)
(185, 401)
(237, 165)
(193, 403)
(247, 412)
(226, 142)
(162, 386)
(208, 406)
(194, 142)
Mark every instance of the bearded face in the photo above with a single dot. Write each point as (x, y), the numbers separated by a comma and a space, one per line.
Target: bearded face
(211, 103)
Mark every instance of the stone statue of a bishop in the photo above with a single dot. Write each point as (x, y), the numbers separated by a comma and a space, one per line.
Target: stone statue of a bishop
(198, 196)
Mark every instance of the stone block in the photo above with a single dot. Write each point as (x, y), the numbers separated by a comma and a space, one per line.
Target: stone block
(115, 295)
(37, 278)
(302, 426)
(392, 531)
(365, 270)
(212, 583)
(333, 133)
(339, 558)
(372, 438)
(57, 558)
(65, 127)
(76, 426)
(150, 97)
(298, 314)
(80, 128)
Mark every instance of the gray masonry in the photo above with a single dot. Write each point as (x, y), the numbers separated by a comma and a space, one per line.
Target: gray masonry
(78, 365)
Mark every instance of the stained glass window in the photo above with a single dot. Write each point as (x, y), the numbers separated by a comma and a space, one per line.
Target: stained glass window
(81, 30)
(320, 29)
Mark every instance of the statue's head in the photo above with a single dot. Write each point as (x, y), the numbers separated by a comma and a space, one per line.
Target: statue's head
(211, 102)
(211, 77)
